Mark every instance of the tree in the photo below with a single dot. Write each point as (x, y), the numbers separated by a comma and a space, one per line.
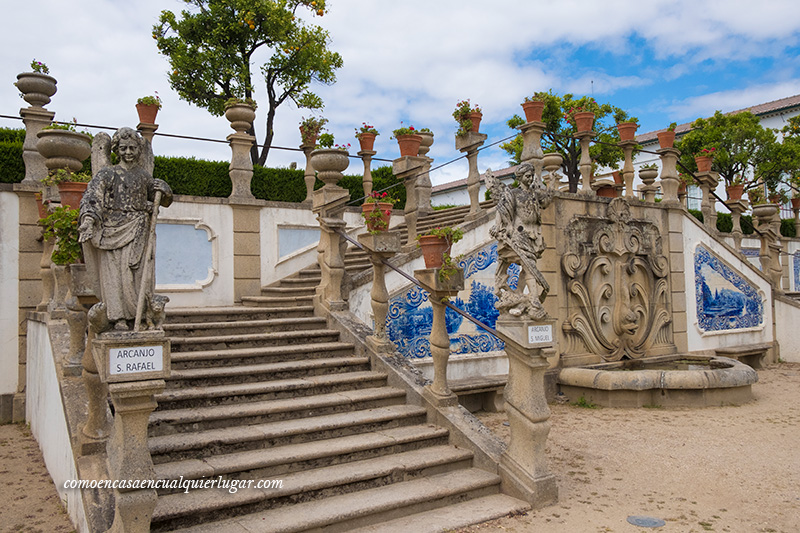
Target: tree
(211, 51)
(560, 130)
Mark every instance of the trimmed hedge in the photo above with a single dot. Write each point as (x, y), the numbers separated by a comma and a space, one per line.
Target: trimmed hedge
(12, 167)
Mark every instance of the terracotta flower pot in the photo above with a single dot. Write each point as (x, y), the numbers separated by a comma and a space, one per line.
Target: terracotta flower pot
(735, 191)
(475, 117)
(795, 203)
(682, 187)
(308, 137)
(627, 130)
(64, 149)
(374, 223)
(703, 163)
(607, 191)
(409, 144)
(533, 110)
(71, 193)
(584, 121)
(147, 113)
(666, 139)
(40, 205)
(433, 250)
(367, 141)
(36, 88)
(617, 175)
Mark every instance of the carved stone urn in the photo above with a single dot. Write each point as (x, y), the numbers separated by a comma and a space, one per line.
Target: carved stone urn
(764, 213)
(64, 149)
(36, 88)
(426, 143)
(241, 116)
(329, 164)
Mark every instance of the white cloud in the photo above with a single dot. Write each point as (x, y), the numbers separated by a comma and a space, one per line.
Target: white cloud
(725, 101)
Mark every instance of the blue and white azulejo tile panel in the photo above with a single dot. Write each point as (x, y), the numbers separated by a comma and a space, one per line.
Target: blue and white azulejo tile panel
(410, 317)
(796, 270)
(725, 299)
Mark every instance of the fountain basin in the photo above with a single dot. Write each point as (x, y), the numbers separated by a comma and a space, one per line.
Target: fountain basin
(664, 381)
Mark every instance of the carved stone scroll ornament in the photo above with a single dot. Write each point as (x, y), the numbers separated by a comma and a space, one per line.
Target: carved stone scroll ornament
(518, 231)
(617, 285)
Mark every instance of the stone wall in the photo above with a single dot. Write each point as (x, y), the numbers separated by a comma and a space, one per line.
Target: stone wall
(9, 295)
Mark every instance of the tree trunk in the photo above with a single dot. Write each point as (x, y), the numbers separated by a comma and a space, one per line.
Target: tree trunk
(262, 160)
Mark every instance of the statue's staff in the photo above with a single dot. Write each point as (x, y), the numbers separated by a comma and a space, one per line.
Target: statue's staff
(151, 240)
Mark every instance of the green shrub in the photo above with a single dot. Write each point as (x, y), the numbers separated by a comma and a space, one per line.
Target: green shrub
(278, 184)
(787, 227)
(12, 167)
(12, 135)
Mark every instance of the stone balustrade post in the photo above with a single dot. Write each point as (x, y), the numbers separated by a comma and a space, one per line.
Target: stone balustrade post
(241, 142)
(669, 176)
(440, 288)
(708, 182)
(309, 176)
(523, 466)
(532, 145)
(407, 168)
(585, 165)
(796, 211)
(366, 157)
(737, 207)
(147, 131)
(36, 90)
(769, 253)
(551, 163)
(77, 322)
(380, 246)
(469, 144)
(424, 184)
(94, 432)
(627, 168)
(48, 277)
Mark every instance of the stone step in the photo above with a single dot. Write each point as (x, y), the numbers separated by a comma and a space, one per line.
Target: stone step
(205, 376)
(277, 338)
(227, 314)
(262, 354)
(238, 327)
(300, 282)
(398, 497)
(288, 291)
(277, 301)
(453, 517)
(265, 424)
(269, 460)
(237, 393)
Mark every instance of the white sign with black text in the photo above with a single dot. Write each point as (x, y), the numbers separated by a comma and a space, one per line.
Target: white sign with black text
(540, 334)
(136, 359)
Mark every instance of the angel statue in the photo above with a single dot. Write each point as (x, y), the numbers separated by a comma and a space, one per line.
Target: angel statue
(117, 229)
(518, 231)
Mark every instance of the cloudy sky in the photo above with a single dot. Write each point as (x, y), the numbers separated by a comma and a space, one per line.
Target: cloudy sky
(411, 61)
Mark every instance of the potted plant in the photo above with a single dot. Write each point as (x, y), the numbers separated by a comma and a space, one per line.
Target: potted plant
(436, 245)
(63, 146)
(147, 107)
(777, 196)
(71, 186)
(533, 106)
(310, 128)
(686, 180)
(736, 188)
(704, 159)
(581, 118)
(756, 196)
(366, 137)
(467, 117)
(627, 130)
(62, 225)
(407, 140)
(666, 138)
(330, 160)
(377, 211)
(36, 86)
(240, 112)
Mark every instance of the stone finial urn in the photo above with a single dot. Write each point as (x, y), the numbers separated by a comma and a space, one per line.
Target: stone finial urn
(426, 143)
(241, 116)
(36, 88)
(329, 164)
(63, 148)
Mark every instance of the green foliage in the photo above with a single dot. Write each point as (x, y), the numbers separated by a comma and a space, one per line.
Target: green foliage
(12, 167)
(325, 140)
(211, 44)
(62, 224)
(38, 66)
(443, 206)
(560, 128)
(787, 227)
(584, 403)
(150, 100)
(12, 135)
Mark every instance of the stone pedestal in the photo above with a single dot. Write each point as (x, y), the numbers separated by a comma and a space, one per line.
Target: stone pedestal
(737, 207)
(552, 162)
(627, 169)
(469, 144)
(94, 432)
(708, 182)
(57, 305)
(796, 211)
(424, 185)
(48, 277)
(380, 246)
(770, 250)
(148, 131)
(440, 288)
(585, 165)
(366, 157)
(241, 169)
(35, 119)
(407, 168)
(669, 176)
(309, 177)
(532, 145)
(523, 466)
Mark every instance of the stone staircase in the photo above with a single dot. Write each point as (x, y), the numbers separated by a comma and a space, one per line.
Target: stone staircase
(268, 392)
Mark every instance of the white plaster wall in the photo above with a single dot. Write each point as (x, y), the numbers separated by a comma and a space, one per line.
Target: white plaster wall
(9, 291)
(787, 318)
(698, 340)
(218, 218)
(44, 411)
(455, 196)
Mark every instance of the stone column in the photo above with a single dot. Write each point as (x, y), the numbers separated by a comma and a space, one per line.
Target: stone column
(407, 168)
(77, 321)
(469, 144)
(366, 157)
(523, 466)
(424, 185)
(796, 211)
(770, 249)
(669, 176)
(309, 176)
(241, 167)
(440, 289)
(737, 207)
(148, 131)
(380, 246)
(708, 182)
(48, 277)
(627, 169)
(532, 145)
(94, 432)
(585, 165)
(35, 119)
